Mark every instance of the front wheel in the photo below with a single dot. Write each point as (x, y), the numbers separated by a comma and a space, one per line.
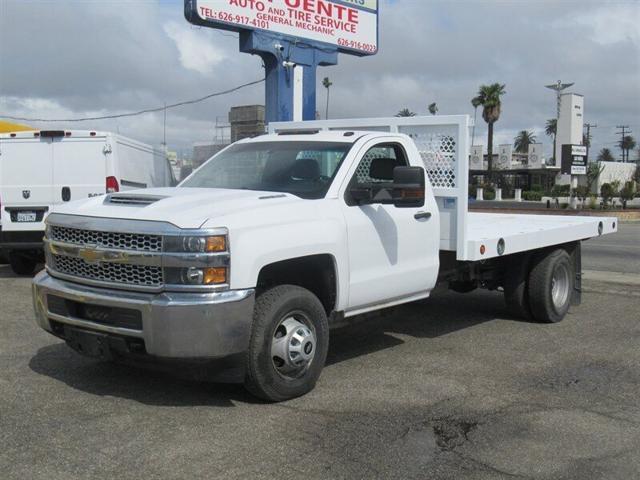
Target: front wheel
(289, 343)
(551, 285)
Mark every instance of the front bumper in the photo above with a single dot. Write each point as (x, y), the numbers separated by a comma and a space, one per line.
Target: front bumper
(173, 325)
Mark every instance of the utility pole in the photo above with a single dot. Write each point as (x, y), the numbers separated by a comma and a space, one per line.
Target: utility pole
(624, 131)
(589, 126)
(164, 130)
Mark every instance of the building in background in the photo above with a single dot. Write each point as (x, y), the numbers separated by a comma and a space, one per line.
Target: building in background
(535, 158)
(246, 121)
(570, 124)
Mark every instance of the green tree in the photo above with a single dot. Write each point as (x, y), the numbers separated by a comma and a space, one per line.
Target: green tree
(489, 98)
(551, 129)
(433, 108)
(627, 193)
(405, 112)
(326, 83)
(523, 140)
(626, 144)
(593, 173)
(607, 192)
(605, 155)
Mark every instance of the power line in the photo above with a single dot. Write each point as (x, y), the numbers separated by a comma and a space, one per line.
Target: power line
(139, 112)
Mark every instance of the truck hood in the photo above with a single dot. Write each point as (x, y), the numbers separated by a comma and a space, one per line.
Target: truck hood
(182, 207)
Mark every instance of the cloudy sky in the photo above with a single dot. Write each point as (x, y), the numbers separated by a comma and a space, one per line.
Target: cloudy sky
(62, 59)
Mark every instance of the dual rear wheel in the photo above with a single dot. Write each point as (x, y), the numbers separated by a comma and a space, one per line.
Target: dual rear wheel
(540, 286)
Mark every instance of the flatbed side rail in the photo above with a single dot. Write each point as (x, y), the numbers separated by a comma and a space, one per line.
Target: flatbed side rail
(443, 144)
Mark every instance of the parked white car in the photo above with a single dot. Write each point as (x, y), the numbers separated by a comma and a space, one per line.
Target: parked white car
(40, 169)
(250, 260)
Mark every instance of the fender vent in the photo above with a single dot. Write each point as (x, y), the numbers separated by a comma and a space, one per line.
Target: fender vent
(140, 200)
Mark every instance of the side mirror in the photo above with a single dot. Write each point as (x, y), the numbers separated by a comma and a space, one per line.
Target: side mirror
(361, 195)
(408, 187)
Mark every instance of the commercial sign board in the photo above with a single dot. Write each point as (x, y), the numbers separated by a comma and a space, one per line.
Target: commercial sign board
(349, 25)
(574, 160)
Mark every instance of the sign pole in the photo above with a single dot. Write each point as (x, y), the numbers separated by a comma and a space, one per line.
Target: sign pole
(293, 38)
(289, 67)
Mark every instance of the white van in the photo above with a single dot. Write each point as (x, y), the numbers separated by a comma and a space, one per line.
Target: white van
(39, 169)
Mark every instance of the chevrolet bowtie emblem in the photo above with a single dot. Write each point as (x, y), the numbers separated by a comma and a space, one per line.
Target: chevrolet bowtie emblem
(90, 255)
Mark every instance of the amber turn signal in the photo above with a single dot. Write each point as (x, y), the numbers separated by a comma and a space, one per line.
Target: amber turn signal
(213, 276)
(216, 244)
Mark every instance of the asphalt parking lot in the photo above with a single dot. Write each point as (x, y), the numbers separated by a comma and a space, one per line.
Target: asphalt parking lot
(447, 388)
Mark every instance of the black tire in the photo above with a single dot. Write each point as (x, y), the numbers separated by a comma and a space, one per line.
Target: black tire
(22, 265)
(547, 265)
(516, 294)
(463, 286)
(263, 379)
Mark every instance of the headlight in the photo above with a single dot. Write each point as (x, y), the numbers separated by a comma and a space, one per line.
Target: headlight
(197, 260)
(208, 276)
(196, 244)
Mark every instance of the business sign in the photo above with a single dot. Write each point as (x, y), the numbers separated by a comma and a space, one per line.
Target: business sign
(349, 25)
(574, 160)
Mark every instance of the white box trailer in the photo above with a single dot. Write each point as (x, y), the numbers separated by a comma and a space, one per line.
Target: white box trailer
(40, 169)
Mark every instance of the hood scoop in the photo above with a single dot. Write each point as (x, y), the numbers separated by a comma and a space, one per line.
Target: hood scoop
(132, 199)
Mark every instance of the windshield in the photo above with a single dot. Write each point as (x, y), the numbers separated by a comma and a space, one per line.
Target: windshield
(304, 169)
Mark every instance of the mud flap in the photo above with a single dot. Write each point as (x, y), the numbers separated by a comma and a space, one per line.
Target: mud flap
(576, 256)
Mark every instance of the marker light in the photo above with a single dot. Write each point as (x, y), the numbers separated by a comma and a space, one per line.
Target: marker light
(217, 243)
(215, 275)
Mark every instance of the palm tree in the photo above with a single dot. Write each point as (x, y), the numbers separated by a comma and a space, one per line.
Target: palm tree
(433, 108)
(626, 144)
(523, 140)
(551, 129)
(476, 103)
(405, 112)
(326, 83)
(489, 97)
(605, 155)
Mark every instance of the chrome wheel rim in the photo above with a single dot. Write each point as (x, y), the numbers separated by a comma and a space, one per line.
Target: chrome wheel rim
(560, 282)
(293, 345)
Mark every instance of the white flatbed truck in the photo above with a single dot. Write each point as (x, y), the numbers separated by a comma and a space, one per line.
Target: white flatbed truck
(250, 260)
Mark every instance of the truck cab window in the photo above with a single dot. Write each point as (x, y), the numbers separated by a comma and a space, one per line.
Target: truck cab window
(374, 175)
(304, 169)
(378, 163)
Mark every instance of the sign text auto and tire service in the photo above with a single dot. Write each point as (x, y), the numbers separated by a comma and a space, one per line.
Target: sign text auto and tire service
(349, 25)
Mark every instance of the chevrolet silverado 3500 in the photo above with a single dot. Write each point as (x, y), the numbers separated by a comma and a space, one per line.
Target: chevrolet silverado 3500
(253, 257)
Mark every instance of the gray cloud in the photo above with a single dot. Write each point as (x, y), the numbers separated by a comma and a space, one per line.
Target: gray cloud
(79, 58)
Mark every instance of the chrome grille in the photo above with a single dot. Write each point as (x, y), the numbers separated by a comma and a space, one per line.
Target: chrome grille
(128, 241)
(125, 274)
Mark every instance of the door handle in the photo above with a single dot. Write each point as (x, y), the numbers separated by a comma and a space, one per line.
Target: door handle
(421, 215)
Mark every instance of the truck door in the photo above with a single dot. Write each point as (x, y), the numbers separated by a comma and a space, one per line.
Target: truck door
(393, 252)
(26, 173)
(79, 168)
